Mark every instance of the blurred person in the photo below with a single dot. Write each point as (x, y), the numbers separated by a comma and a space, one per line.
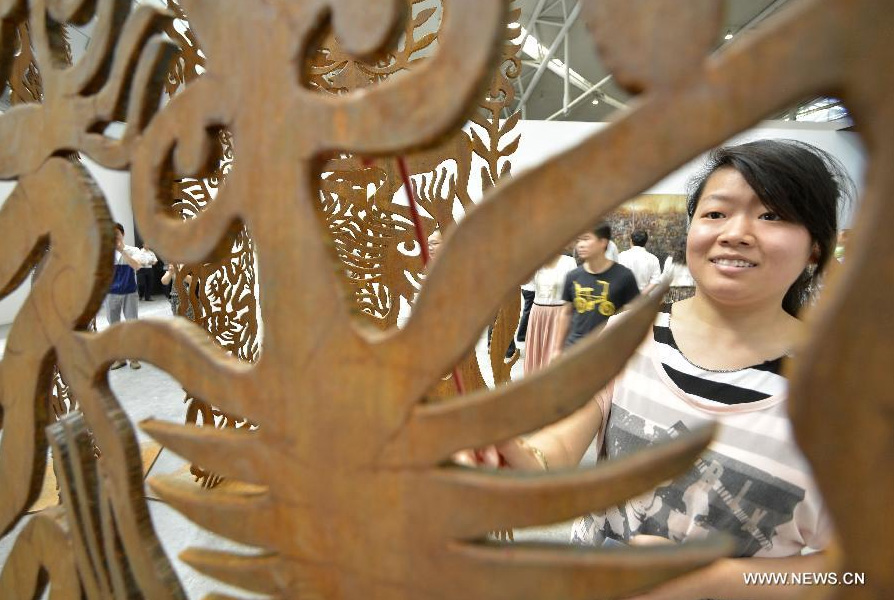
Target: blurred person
(521, 336)
(146, 275)
(645, 266)
(546, 312)
(682, 285)
(611, 251)
(122, 295)
(593, 291)
(170, 277)
(434, 244)
(841, 245)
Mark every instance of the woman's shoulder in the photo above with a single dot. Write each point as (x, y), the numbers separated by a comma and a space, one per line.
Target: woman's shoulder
(567, 263)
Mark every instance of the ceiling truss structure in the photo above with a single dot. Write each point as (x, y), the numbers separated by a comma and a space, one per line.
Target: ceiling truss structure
(555, 18)
(562, 77)
(549, 33)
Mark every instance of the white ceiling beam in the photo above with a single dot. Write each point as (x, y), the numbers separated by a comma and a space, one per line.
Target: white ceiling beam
(593, 89)
(545, 60)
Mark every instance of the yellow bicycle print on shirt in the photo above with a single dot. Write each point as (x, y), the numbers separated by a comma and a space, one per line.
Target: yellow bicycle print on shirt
(585, 300)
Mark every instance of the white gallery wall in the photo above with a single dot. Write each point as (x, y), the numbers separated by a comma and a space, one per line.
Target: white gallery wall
(540, 140)
(115, 185)
(543, 139)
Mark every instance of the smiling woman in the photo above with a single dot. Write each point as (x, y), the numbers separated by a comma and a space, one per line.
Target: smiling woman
(788, 186)
(740, 251)
(763, 222)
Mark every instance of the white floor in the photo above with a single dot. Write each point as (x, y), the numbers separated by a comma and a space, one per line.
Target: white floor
(150, 392)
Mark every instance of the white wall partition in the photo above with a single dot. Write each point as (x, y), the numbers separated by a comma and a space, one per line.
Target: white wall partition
(540, 140)
(115, 185)
(543, 139)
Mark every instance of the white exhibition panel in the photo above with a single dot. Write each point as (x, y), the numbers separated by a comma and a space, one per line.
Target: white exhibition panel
(540, 140)
(115, 185)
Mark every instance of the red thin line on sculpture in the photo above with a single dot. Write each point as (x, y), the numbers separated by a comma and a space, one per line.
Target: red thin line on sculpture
(423, 243)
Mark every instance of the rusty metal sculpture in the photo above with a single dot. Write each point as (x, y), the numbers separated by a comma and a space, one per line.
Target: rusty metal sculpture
(55, 204)
(357, 422)
(350, 493)
(25, 87)
(220, 295)
(222, 299)
(24, 80)
(372, 230)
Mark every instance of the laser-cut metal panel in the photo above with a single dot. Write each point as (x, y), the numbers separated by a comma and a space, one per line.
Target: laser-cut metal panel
(355, 385)
(364, 205)
(56, 205)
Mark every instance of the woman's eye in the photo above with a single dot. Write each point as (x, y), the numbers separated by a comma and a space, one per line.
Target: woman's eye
(770, 216)
(713, 215)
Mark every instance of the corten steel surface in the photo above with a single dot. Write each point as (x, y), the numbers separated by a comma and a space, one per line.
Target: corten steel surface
(369, 230)
(353, 497)
(220, 296)
(372, 231)
(25, 87)
(56, 204)
(224, 303)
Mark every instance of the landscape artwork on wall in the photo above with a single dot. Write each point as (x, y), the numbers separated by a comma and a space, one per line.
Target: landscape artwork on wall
(663, 216)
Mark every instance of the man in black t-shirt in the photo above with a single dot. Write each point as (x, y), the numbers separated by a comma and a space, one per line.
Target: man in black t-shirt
(595, 290)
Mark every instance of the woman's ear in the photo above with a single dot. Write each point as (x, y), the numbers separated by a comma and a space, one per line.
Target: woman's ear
(814, 254)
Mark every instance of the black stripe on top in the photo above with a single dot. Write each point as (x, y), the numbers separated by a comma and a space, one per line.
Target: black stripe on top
(663, 335)
(724, 393)
(771, 366)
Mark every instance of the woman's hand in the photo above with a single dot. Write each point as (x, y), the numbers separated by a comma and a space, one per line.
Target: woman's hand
(483, 457)
(519, 454)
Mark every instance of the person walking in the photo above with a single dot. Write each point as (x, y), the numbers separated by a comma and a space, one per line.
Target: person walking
(645, 265)
(122, 297)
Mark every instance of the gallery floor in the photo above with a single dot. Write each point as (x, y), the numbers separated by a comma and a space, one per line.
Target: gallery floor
(150, 392)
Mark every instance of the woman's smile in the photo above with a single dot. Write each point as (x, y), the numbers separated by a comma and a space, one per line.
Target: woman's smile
(739, 251)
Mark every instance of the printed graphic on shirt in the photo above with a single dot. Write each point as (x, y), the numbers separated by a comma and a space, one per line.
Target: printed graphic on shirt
(718, 493)
(585, 300)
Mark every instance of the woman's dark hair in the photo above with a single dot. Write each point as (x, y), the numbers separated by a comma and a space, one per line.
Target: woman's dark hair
(120, 228)
(800, 183)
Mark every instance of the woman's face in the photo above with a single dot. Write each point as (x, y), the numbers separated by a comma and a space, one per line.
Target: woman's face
(434, 244)
(738, 251)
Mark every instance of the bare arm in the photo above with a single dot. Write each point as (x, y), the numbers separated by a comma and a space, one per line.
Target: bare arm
(560, 445)
(168, 276)
(130, 260)
(563, 323)
(134, 263)
(725, 580)
(654, 277)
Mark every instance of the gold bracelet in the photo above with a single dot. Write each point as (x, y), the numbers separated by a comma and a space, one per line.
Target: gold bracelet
(538, 454)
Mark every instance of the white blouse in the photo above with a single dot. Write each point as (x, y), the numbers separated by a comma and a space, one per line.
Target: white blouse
(549, 281)
(681, 275)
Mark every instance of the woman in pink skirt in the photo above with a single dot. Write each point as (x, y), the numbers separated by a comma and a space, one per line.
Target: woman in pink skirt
(548, 283)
